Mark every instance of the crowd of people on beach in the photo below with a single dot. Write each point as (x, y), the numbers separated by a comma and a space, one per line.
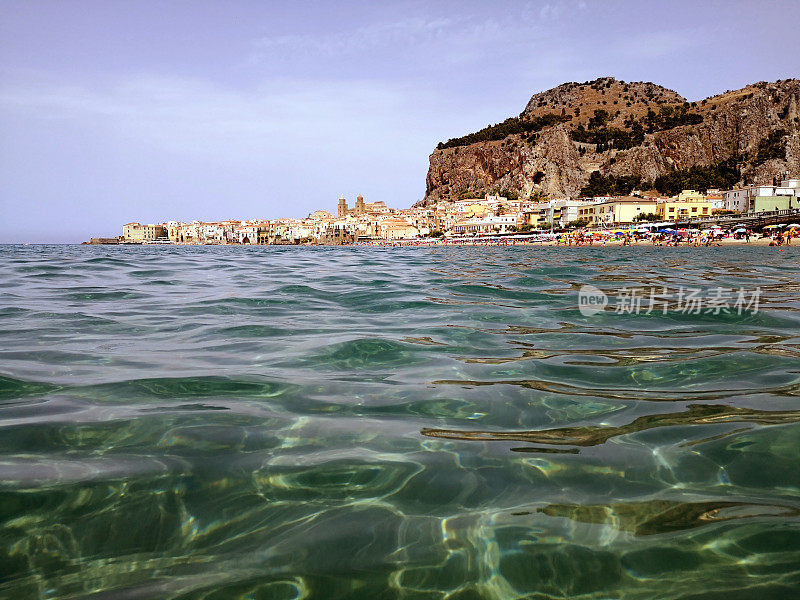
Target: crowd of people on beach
(777, 235)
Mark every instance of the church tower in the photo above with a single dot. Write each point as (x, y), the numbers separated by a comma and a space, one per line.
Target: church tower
(360, 209)
(342, 207)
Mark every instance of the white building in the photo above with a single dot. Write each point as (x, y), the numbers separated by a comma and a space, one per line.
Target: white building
(565, 211)
(301, 230)
(488, 224)
(735, 200)
(743, 199)
(793, 184)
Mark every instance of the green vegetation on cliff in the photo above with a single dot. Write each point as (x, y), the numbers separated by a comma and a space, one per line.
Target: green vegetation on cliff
(669, 117)
(500, 131)
(607, 137)
(600, 185)
(598, 132)
(772, 146)
(718, 175)
(723, 175)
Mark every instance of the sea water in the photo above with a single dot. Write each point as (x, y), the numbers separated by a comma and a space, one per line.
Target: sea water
(309, 422)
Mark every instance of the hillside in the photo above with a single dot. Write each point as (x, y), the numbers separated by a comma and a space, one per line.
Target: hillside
(608, 136)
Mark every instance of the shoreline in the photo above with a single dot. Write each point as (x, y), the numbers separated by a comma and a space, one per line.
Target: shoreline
(764, 242)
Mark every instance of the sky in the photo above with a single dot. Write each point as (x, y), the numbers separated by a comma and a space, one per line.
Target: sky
(113, 111)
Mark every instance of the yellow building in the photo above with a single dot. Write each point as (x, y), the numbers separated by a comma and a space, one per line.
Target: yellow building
(538, 215)
(475, 211)
(617, 211)
(396, 229)
(174, 231)
(687, 205)
(136, 232)
(691, 196)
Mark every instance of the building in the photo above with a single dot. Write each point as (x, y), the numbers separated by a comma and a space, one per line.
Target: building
(689, 204)
(189, 233)
(616, 211)
(764, 198)
(770, 203)
(716, 201)
(174, 231)
(339, 231)
(217, 233)
(565, 211)
(342, 209)
(555, 213)
(691, 196)
(138, 233)
(538, 215)
(488, 224)
(252, 233)
(301, 231)
(736, 200)
(767, 198)
(377, 208)
(396, 229)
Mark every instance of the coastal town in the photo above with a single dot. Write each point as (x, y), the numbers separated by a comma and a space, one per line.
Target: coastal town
(491, 218)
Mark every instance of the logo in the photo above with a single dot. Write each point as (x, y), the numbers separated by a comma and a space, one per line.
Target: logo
(591, 300)
(684, 300)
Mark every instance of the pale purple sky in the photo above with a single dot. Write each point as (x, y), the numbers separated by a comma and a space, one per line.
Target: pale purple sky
(113, 112)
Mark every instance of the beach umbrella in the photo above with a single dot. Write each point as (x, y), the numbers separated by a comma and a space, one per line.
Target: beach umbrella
(793, 225)
(740, 230)
(770, 226)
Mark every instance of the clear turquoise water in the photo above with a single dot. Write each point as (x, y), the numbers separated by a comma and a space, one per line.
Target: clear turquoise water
(259, 423)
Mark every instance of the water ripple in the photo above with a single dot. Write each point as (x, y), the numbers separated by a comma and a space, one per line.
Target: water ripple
(198, 423)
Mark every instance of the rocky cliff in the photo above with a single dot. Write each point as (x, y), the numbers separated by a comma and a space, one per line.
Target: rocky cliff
(631, 134)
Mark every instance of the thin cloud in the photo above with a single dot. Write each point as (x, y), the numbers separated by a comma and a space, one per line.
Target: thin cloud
(437, 41)
(196, 118)
(659, 44)
(553, 10)
(412, 30)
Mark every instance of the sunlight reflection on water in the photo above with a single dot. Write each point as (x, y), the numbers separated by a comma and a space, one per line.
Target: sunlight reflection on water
(203, 423)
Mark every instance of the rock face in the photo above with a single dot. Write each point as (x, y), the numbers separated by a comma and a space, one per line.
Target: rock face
(757, 126)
